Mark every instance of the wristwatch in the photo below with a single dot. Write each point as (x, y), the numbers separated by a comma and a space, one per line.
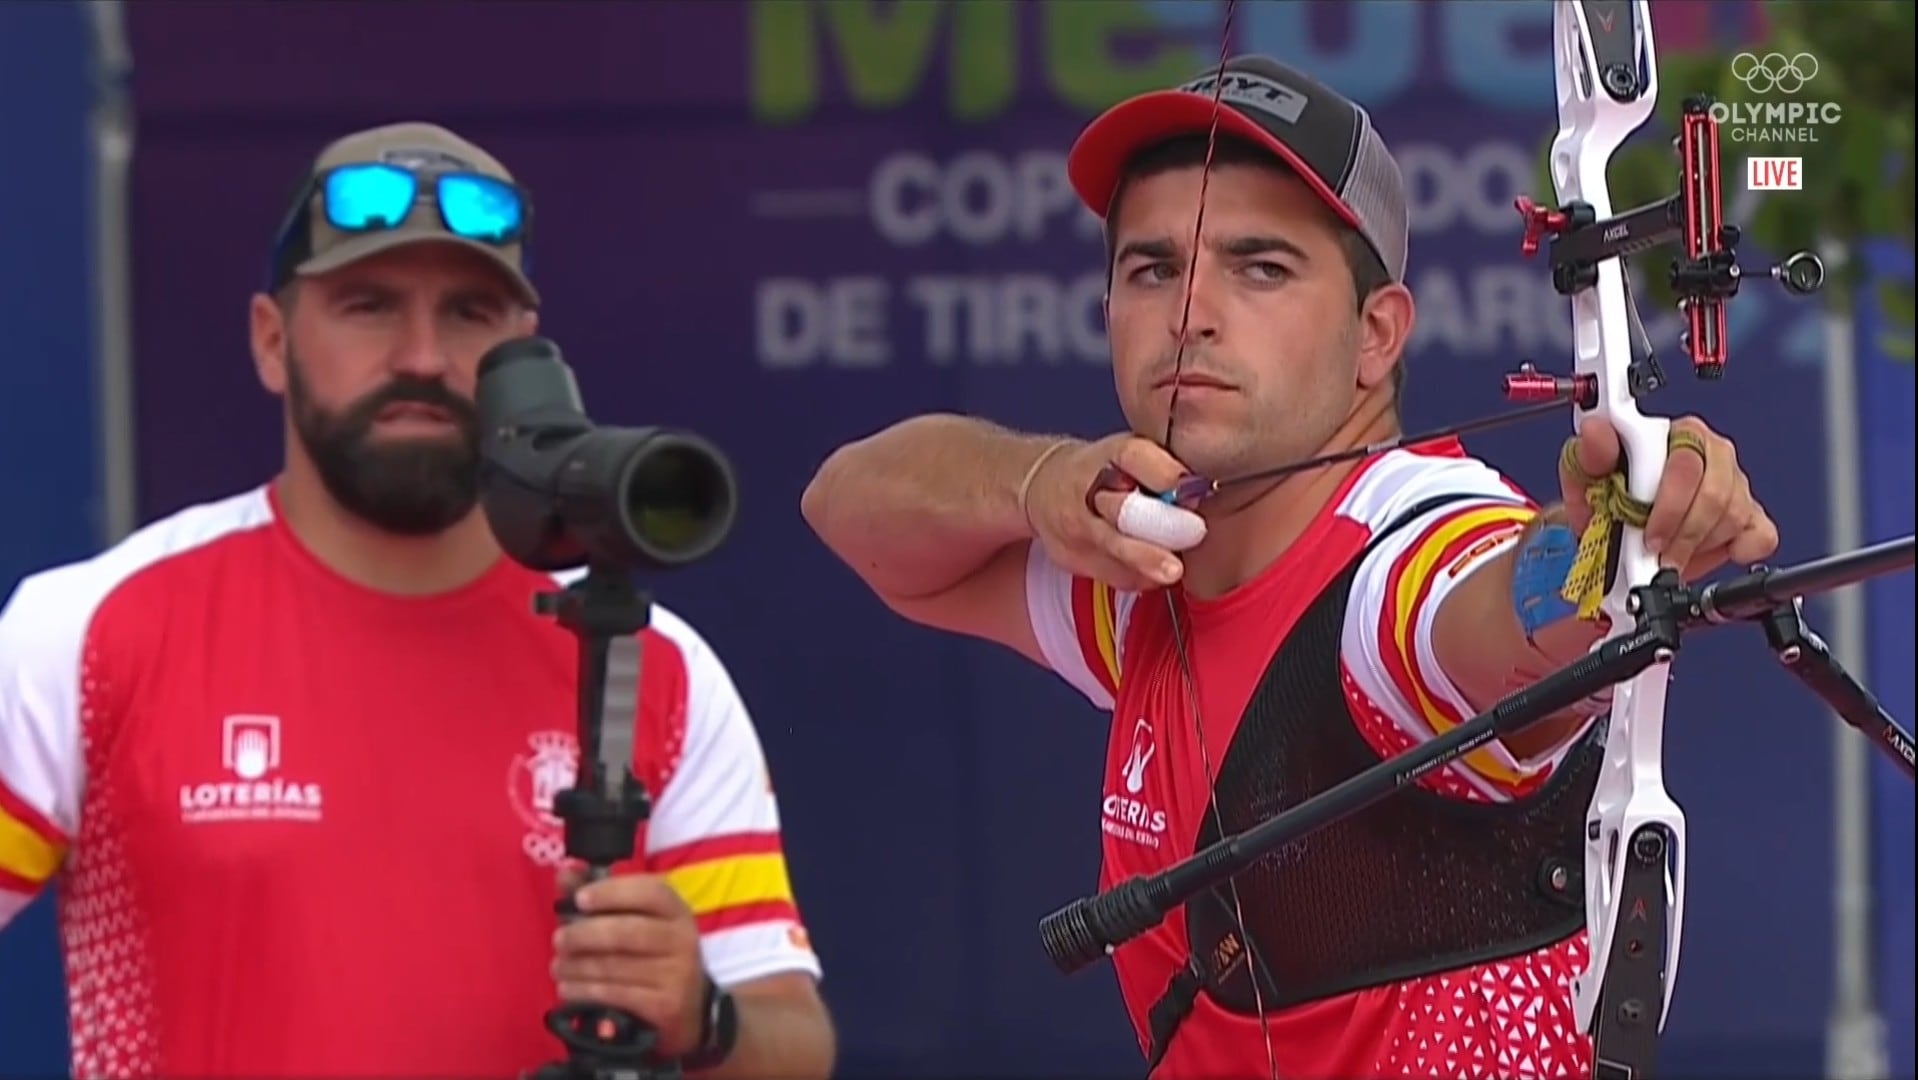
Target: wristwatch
(718, 1031)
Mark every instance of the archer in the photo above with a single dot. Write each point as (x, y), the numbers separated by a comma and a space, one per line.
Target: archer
(1308, 623)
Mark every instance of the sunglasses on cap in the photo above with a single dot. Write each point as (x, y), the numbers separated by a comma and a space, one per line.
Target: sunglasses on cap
(366, 198)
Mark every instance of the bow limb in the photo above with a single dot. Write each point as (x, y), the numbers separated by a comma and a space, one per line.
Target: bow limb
(1635, 834)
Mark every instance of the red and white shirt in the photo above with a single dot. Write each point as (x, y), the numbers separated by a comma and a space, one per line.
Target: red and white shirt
(301, 828)
(1508, 1019)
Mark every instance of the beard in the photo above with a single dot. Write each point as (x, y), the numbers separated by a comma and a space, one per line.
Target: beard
(409, 487)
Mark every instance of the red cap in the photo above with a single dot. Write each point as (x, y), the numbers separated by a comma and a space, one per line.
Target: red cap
(1323, 136)
(1099, 157)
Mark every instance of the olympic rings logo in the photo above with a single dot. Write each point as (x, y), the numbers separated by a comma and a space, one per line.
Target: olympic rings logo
(1774, 71)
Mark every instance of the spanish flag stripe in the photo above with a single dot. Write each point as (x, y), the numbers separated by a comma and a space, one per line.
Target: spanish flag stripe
(714, 847)
(30, 847)
(1390, 616)
(1411, 584)
(1105, 623)
(10, 882)
(738, 915)
(15, 807)
(1085, 620)
(723, 883)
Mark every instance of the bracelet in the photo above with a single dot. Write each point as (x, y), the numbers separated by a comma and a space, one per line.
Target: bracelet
(1032, 471)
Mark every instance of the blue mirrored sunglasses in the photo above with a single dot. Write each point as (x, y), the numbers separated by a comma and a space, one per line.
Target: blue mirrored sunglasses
(370, 198)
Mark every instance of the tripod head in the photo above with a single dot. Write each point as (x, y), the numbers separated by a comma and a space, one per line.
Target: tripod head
(605, 612)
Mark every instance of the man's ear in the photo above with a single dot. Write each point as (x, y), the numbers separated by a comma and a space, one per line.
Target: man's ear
(1385, 328)
(267, 333)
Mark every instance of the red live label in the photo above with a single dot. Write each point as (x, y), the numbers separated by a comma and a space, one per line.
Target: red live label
(1775, 173)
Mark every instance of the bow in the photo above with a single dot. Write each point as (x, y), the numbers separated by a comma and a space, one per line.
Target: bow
(1606, 76)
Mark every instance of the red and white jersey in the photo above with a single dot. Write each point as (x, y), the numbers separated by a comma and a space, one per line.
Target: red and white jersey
(301, 828)
(1509, 1019)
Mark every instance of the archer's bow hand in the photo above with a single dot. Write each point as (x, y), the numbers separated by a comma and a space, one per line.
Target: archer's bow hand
(1704, 514)
(1073, 504)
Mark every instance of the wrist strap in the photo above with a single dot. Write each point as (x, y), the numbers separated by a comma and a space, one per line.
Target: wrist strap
(718, 1030)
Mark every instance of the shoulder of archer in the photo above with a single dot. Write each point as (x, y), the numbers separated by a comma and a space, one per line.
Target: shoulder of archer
(1437, 520)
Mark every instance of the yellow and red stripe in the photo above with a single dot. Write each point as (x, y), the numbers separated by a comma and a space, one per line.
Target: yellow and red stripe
(730, 881)
(1095, 617)
(31, 847)
(1440, 550)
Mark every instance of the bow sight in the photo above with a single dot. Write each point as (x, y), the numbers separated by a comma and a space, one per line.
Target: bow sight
(1706, 277)
(1703, 279)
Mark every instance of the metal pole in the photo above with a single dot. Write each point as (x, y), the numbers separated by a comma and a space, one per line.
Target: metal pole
(112, 139)
(1855, 1046)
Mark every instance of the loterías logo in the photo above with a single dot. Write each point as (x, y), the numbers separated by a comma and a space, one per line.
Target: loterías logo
(250, 751)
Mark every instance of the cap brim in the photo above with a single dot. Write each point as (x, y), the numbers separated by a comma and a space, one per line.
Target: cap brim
(1098, 159)
(366, 245)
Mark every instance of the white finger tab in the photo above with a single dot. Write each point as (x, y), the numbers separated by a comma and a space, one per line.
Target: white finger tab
(1143, 517)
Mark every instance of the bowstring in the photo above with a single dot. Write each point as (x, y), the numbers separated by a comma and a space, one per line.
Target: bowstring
(1255, 963)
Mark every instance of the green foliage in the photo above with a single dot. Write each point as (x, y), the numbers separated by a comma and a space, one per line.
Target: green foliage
(1858, 174)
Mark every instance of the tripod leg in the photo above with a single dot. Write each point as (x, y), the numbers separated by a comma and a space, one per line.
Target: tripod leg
(1805, 655)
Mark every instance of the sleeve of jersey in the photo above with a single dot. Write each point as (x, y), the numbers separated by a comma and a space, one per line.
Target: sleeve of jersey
(1399, 696)
(39, 746)
(1079, 624)
(715, 836)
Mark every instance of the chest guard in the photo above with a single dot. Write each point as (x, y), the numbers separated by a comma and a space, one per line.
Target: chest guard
(1411, 886)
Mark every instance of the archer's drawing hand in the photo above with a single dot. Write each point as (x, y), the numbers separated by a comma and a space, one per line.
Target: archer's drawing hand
(1704, 514)
(634, 947)
(1073, 506)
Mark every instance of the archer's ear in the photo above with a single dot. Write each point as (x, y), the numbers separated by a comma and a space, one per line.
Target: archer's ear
(1385, 329)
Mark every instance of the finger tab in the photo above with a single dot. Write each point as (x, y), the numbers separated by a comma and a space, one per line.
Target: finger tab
(1155, 522)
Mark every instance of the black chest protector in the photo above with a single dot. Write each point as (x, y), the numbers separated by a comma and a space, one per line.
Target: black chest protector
(1415, 884)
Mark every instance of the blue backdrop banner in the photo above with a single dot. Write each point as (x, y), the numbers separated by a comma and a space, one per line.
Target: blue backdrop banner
(49, 494)
(800, 222)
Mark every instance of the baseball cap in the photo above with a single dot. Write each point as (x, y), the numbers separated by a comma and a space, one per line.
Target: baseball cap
(1323, 135)
(311, 245)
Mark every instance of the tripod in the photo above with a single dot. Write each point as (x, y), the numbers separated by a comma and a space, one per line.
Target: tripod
(605, 808)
